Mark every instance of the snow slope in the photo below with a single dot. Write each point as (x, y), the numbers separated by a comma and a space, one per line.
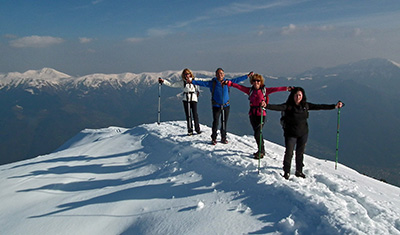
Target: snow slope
(153, 179)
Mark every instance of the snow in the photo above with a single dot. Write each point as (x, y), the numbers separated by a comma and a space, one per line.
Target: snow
(153, 179)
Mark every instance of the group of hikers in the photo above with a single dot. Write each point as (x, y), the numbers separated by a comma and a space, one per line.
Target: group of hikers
(294, 111)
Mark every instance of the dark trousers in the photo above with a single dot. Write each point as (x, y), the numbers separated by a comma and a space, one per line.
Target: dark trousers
(290, 143)
(193, 116)
(224, 114)
(257, 127)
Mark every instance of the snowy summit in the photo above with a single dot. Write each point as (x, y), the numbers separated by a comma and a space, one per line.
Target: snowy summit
(154, 179)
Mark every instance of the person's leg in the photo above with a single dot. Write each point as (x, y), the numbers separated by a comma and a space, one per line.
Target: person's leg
(216, 115)
(290, 142)
(300, 149)
(189, 125)
(224, 124)
(195, 117)
(255, 122)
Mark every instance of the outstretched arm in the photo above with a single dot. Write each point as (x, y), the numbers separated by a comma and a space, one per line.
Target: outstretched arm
(237, 86)
(271, 90)
(176, 84)
(206, 83)
(276, 107)
(242, 78)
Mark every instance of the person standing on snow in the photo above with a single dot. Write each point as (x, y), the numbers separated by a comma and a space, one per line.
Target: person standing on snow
(220, 101)
(190, 98)
(295, 126)
(258, 97)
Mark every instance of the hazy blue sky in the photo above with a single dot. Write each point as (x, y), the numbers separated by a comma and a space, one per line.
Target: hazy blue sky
(80, 37)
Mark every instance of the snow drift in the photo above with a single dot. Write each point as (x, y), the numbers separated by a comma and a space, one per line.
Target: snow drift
(153, 179)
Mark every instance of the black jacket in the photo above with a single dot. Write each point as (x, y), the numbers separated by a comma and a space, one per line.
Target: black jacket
(295, 116)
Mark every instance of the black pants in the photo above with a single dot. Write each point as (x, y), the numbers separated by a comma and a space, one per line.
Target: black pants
(193, 117)
(224, 114)
(257, 127)
(300, 143)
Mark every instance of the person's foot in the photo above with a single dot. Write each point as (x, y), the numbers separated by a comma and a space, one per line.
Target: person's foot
(300, 174)
(224, 141)
(190, 133)
(198, 132)
(213, 141)
(258, 155)
(286, 175)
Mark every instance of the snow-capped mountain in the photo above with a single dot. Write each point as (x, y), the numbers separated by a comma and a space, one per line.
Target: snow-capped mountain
(52, 78)
(154, 179)
(44, 108)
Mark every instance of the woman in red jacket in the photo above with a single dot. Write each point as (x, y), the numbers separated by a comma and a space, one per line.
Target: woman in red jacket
(258, 97)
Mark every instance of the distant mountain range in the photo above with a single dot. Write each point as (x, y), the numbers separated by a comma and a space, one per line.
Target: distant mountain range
(41, 109)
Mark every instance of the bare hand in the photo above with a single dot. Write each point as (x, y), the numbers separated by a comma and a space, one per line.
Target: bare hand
(263, 104)
(339, 104)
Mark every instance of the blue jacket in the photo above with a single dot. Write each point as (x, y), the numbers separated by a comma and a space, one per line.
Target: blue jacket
(221, 93)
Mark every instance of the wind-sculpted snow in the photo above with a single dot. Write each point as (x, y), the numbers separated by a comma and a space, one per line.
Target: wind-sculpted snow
(154, 179)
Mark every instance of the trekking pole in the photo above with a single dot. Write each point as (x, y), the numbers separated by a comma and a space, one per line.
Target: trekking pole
(259, 147)
(223, 118)
(337, 136)
(159, 103)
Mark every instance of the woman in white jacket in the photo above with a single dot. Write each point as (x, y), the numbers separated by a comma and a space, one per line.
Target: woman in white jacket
(190, 98)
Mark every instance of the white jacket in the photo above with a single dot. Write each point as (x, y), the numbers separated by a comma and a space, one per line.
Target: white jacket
(190, 91)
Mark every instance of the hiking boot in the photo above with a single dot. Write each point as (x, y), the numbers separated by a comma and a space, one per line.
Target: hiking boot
(224, 141)
(213, 141)
(257, 155)
(300, 174)
(190, 133)
(198, 132)
(286, 175)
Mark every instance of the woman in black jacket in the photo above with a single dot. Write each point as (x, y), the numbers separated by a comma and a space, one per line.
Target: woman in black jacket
(295, 126)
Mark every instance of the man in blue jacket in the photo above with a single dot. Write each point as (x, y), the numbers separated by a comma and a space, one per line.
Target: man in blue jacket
(220, 101)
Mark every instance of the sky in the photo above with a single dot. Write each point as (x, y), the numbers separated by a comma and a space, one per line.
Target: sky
(278, 37)
(115, 181)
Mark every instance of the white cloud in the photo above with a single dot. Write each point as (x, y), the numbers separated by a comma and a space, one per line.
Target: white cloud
(357, 32)
(292, 28)
(96, 2)
(134, 40)
(35, 41)
(85, 40)
(289, 29)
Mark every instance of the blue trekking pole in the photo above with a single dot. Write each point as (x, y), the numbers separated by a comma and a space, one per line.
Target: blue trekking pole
(337, 136)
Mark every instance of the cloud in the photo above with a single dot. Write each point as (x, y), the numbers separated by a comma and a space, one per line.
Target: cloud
(85, 40)
(134, 40)
(289, 29)
(292, 28)
(239, 8)
(223, 11)
(96, 2)
(35, 41)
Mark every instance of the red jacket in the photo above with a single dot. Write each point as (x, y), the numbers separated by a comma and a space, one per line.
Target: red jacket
(257, 96)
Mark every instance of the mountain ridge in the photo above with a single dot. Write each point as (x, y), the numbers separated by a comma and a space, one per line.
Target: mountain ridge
(44, 115)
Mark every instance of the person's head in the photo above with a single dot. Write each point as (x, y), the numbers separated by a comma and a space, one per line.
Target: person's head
(257, 81)
(220, 74)
(297, 96)
(186, 73)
